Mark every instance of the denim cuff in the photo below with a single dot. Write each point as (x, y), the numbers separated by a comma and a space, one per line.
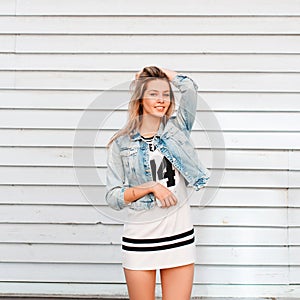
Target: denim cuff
(180, 79)
(121, 201)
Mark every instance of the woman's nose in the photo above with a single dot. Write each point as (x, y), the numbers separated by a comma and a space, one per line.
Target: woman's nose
(160, 98)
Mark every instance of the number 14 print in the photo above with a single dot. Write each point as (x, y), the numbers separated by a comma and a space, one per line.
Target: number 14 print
(165, 170)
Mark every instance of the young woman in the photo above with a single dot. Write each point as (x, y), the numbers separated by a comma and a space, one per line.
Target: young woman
(149, 165)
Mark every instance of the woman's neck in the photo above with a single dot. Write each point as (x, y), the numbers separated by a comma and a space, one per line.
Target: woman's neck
(149, 126)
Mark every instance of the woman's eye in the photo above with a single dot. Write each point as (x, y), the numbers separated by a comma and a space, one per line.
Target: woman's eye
(155, 95)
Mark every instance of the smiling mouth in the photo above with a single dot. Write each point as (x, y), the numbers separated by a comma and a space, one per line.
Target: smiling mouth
(160, 108)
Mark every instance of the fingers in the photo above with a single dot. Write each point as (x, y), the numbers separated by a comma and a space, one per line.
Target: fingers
(164, 195)
(137, 75)
(171, 200)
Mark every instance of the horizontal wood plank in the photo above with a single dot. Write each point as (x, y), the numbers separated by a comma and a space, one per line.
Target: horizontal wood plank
(134, 7)
(110, 234)
(214, 216)
(294, 274)
(212, 82)
(144, 25)
(120, 289)
(114, 274)
(162, 44)
(8, 7)
(293, 196)
(72, 195)
(294, 258)
(294, 160)
(294, 216)
(235, 159)
(7, 42)
(233, 140)
(96, 176)
(96, 254)
(294, 179)
(7, 79)
(107, 120)
(294, 238)
(118, 100)
(127, 62)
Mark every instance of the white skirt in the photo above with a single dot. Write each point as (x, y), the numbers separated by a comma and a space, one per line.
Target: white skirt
(160, 237)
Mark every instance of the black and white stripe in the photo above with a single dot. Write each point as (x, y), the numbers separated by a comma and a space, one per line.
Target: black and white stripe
(158, 244)
(149, 141)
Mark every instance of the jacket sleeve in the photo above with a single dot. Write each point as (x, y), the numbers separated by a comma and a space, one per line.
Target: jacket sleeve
(115, 178)
(186, 112)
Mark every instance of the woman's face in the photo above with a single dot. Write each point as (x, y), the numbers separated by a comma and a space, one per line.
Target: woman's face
(156, 100)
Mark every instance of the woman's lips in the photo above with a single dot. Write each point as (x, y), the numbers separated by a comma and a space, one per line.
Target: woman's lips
(160, 108)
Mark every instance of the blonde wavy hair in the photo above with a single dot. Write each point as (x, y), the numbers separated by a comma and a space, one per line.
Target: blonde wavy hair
(135, 106)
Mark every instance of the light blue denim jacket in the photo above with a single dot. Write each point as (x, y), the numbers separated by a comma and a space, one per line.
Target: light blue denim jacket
(128, 159)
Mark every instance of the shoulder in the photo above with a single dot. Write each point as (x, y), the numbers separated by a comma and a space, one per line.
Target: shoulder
(122, 140)
(171, 126)
(172, 122)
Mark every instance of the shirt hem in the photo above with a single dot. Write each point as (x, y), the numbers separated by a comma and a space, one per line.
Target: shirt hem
(168, 266)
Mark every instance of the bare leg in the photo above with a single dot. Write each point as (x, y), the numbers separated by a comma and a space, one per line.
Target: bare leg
(140, 284)
(177, 282)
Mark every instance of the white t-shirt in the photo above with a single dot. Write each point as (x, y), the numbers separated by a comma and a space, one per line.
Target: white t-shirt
(165, 234)
(162, 169)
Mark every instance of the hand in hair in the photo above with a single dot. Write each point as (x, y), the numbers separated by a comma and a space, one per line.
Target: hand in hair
(169, 73)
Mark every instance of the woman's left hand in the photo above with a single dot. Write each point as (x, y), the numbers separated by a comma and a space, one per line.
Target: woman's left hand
(170, 74)
(137, 74)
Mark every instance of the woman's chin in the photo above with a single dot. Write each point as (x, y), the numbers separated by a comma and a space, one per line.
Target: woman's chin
(155, 112)
(159, 113)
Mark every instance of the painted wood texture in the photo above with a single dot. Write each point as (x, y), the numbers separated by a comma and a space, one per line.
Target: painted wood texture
(59, 58)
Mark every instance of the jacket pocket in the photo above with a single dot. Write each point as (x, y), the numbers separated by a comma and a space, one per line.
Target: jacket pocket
(129, 157)
(126, 152)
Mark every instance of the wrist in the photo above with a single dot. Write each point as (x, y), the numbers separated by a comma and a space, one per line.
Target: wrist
(172, 75)
(150, 186)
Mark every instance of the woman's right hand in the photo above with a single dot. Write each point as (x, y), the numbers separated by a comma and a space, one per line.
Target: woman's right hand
(163, 194)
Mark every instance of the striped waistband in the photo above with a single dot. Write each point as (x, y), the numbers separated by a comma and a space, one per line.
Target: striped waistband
(157, 244)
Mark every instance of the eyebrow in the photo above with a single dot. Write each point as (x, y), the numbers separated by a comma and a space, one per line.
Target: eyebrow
(158, 91)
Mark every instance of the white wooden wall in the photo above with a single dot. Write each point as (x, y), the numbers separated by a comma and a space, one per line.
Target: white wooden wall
(56, 57)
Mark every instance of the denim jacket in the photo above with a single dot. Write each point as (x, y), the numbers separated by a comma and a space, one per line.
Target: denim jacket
(128, 159)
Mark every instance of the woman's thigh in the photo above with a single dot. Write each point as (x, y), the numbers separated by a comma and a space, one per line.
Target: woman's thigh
(177, 283)
(140, 284)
